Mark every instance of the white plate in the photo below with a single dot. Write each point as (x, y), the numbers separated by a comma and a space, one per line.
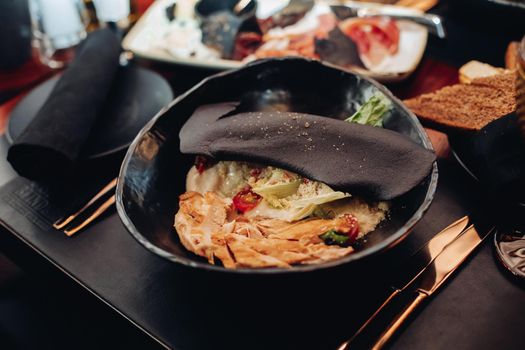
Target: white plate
(412, 43)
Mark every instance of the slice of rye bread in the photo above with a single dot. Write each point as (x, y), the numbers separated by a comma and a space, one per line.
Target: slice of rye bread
(467, 107)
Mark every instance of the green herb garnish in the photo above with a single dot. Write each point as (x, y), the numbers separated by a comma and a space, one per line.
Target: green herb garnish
(333, 238)
(372, 111)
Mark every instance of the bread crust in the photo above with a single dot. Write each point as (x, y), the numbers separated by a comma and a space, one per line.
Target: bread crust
(511, 55)
(467, 107)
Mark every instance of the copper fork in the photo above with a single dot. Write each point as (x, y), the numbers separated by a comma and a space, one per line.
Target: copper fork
(68, 225)
(423, 5)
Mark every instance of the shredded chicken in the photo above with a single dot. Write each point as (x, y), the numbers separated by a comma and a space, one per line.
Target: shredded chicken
(209, 227)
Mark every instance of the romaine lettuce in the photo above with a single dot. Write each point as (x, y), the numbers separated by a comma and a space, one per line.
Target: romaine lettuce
(372, 111)
(279, 190)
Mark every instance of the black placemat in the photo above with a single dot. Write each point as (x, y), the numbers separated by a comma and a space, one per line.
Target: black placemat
(481, 307)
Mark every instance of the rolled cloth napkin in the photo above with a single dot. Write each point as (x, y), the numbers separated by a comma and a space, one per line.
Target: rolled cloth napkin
(52, 142)
(375, 162)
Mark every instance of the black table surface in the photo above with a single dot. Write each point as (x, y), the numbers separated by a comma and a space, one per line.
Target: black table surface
(481, 307)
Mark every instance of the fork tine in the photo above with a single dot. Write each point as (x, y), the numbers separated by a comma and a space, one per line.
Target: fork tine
(425, 5)
(422, 5)
(61, 223)
(100, 210)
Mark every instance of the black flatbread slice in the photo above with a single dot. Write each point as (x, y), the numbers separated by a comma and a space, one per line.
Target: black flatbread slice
(377, 163)
(338, 49)
(219, 31)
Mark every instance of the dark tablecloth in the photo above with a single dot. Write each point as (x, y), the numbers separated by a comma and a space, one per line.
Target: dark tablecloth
(481, 308)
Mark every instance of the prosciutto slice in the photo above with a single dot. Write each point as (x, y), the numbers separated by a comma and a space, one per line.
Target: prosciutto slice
(375, 37)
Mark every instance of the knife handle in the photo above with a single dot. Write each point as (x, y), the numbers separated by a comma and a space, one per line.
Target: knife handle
(433, 23)
(388, 318)
(398, 321)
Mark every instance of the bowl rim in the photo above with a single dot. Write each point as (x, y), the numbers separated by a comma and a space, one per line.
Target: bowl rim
(382, 246)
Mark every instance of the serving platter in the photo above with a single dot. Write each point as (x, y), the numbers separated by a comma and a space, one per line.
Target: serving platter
(142, 38)
(154, 170)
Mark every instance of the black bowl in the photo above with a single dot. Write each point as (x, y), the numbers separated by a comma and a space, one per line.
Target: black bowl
(153, 173)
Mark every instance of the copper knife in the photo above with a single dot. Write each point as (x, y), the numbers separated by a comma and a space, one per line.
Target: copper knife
(417, 262)
(427, 253)
(424, 284)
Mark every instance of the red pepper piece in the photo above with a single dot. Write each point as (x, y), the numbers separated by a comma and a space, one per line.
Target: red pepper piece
(246, 200)
(354, 227)
(202, 163)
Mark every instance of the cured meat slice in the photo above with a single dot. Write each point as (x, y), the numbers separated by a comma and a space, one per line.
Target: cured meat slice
(376, 37)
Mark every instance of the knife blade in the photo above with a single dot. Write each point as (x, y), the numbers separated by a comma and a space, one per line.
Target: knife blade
(420, 288)
(346, 9)
(428, 252)
(448, 261)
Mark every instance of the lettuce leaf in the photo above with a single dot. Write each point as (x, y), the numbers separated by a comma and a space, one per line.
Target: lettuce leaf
(372, 111)
(319, 199)
(304, 207)
(279, 190)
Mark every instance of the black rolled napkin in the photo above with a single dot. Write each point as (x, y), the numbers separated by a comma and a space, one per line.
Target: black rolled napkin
(498, 152)
(51, 144)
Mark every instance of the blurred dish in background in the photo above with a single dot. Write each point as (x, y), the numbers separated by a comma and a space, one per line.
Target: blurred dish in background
(380, 47)
(112, 11)
(119, 15)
